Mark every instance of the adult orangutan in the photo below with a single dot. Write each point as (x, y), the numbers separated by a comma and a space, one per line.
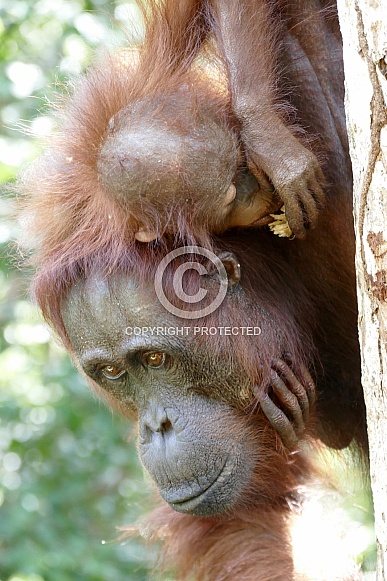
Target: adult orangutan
(221, 416)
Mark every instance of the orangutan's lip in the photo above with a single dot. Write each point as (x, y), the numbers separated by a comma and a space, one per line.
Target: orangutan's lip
(261, 221)
(267, 218)
(189, 503)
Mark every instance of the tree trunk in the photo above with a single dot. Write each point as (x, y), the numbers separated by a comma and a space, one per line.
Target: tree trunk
(364, 29)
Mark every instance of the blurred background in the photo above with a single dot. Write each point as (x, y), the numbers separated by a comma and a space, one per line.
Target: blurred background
(69, 473)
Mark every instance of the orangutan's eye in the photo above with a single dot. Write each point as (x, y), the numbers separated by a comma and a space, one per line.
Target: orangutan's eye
(112, 372)
(154, 360)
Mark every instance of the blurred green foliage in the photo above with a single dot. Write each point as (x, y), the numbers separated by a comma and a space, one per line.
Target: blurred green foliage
(68, 473)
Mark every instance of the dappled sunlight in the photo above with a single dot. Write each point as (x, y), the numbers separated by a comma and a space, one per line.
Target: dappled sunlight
(326, 541)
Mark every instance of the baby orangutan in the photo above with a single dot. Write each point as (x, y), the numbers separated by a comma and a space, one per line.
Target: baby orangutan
(177, 162)
(183, 137)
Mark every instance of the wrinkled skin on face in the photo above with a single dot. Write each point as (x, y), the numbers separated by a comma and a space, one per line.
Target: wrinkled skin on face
(200, 451)
(196, 469)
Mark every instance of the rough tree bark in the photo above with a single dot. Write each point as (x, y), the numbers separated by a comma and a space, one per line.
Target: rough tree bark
(364, 28)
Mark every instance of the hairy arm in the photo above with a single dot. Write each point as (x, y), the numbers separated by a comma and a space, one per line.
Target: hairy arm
(247, 33)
